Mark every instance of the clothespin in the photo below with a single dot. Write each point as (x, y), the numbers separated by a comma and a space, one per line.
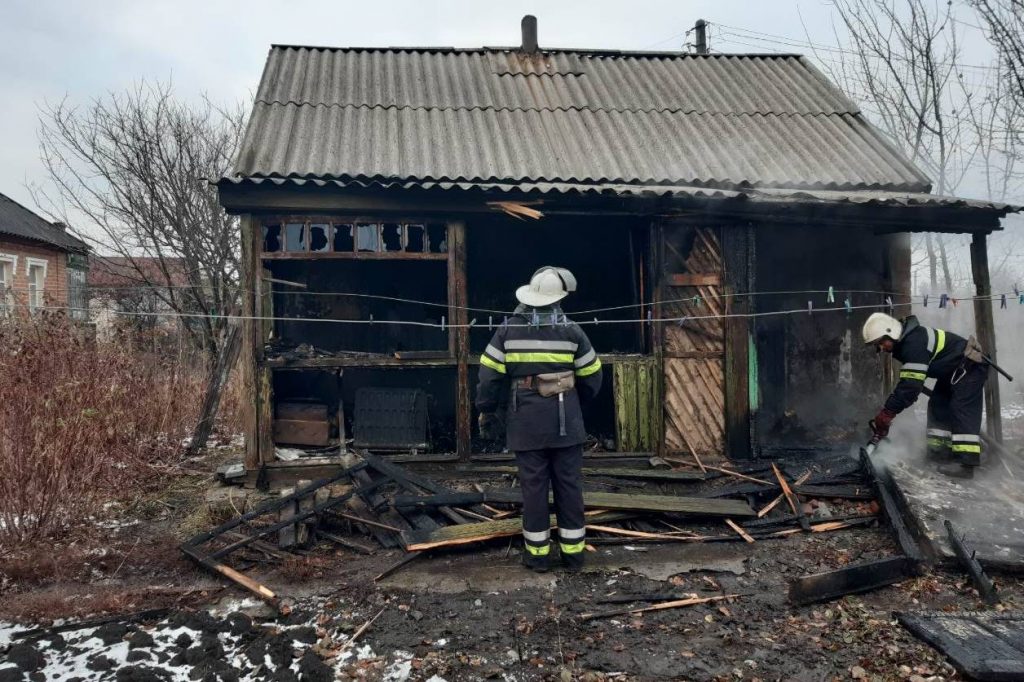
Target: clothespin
(679, 322)
(810, 306)
(888, 302)
(954, 301)
(942, 300)
(504, 322)
(535, 319)
(831, 297)
(926, 300)
(472, 322)
(442, 323)
(650, 317)
(848, 305)
(371, 319)
(490, 322)
(696, 301)
(1020, 299)
(596, 322)
(1002, 301)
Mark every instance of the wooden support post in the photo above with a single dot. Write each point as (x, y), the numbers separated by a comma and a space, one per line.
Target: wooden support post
(737, 245)
(249, 267)
(984, 326)
(459, 335)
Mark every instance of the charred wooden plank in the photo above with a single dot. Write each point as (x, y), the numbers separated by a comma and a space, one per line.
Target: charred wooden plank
(983, 645)
(697, 506)
(261, 591)
(412, 482)
(885, 491)
(969, 561)
(851, 580)
(614, 472)
(792, 499)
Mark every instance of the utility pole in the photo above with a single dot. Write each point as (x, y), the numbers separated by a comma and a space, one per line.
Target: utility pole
(701, 44)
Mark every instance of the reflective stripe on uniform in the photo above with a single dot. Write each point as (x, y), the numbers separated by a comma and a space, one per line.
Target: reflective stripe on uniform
(916, 376)
(940, 433)
(571, 533)
(495, 353)
(587, 371)
(541, 550)
(536, 535)
(531, 344)
(966, 442)
(585, 359)
(934, 442)
(940, 343)
(930, 346)
(493, 364)
(574, 548)
(915, 367)
(565, 358)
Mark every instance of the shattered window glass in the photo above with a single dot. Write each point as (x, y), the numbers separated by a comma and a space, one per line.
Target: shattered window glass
(344, 237)
(295, 237)
(368, 237)
(319, 237)
(271, 238)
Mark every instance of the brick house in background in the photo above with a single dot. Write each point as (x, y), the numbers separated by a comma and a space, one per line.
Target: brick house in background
(41, 264)
(130, 293)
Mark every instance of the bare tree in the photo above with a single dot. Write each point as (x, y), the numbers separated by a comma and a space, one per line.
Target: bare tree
(904, 60)
(1004, 20)
(131, 170)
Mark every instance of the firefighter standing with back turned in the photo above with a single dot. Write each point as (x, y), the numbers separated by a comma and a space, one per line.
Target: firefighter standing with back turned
(954, 411)
(549, 368)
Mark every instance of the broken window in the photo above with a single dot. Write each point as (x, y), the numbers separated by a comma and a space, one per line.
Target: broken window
(295, 237)
(271, 238)
(391, 235)
(368, 237)
(319, 237)
(438, 238)
(414, 238)
(344, 238)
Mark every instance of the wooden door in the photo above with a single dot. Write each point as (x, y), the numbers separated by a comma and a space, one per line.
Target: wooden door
(694, 349)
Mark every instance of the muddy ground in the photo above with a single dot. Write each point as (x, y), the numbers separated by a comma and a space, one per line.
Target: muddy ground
(476, 614)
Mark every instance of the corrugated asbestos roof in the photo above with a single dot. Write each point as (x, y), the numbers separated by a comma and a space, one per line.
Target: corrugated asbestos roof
(18, 221)
(499, 116)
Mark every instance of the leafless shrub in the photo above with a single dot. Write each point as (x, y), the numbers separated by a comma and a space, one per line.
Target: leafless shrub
(81, 422)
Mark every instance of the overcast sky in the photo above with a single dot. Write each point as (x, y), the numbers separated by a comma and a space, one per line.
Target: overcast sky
(50, 49)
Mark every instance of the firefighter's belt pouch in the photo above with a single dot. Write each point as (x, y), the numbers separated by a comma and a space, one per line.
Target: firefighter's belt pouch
(554, 383)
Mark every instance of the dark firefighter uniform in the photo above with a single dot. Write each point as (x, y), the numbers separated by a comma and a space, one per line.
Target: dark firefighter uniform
(546, 433)
(954, 411)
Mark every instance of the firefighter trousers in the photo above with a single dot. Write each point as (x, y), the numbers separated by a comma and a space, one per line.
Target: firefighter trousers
(954, 415)
(560, 471)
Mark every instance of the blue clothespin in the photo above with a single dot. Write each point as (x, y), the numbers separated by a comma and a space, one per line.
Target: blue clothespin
(848, 305)
(1002, 301)
(679, 322)
(1020, 299)
(696, 301)
(926, 300)
(942, 300)
(831, 298)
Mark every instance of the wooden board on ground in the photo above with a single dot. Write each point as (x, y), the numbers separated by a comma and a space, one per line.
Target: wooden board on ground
(984, 645)
(854, 579)
(697, 506)
(478, 532)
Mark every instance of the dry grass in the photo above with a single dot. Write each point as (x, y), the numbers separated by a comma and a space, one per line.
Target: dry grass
(89, 422)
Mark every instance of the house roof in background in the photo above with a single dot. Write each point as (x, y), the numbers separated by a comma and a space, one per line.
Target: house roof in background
(18, 221)
(595, 118)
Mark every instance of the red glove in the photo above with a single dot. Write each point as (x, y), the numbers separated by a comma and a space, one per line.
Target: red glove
(881, 423)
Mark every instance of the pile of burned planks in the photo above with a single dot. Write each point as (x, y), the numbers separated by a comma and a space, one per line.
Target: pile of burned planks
(380, 503)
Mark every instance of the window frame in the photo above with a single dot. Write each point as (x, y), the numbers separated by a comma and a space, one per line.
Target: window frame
(7, 288)
(35, 305)
(336, 222)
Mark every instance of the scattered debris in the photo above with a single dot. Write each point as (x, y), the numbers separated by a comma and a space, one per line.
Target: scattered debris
(966, 557)
(854, 579)
(984, 646)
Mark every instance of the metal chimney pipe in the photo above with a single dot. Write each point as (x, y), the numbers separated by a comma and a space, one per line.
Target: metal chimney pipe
(701, 43)
(529, 26)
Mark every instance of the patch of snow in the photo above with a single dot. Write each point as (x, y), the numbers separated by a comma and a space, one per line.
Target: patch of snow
(436, 678)
(401, 669)
(6, 631)
(441, 642)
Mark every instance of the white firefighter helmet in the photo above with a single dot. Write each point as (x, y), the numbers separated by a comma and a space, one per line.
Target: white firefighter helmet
(547, 286)
(880, 326)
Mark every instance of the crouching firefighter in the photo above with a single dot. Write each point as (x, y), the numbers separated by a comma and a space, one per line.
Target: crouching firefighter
(954, 410)
(548, 367)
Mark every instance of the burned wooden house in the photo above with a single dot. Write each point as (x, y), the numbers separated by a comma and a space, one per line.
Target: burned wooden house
(392, 199)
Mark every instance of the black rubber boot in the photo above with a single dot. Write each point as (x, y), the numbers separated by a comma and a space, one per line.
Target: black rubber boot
(573, 562)
(538, 564)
